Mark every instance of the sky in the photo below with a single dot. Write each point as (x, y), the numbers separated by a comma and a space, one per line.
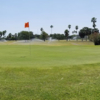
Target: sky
(43, 13)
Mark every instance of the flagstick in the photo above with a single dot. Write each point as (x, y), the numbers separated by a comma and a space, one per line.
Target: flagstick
(29, 41)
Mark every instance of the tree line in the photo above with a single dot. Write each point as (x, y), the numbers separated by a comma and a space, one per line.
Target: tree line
(84, 32)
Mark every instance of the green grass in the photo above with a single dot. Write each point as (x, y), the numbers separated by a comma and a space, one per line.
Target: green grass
(55, 71)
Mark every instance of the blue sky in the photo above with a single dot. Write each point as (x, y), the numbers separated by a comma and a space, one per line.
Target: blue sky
(43, 13)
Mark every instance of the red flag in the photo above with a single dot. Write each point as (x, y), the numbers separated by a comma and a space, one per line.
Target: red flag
(26, 24)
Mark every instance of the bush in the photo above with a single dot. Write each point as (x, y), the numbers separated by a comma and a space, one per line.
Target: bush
(97, 40)
(95, 37)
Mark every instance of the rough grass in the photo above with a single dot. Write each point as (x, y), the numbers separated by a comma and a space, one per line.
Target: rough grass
(50, 72)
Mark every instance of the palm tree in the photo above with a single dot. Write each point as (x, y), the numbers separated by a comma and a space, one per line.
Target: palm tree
(41, 29)
(94, 25)
(76, 27)
(94, 20)
(66, 34)
(69, 26)
(51, 28)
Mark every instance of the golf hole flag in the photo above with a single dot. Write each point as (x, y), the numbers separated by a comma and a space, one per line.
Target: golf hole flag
(26, 24)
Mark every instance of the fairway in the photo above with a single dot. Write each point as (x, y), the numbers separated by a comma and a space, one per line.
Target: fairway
(57, 70)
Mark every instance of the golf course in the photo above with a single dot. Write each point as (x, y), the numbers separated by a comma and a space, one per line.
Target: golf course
(56, 70)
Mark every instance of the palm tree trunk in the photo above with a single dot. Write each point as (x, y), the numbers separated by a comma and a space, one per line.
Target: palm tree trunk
(69, 33)
(51, 30)
(77, 36)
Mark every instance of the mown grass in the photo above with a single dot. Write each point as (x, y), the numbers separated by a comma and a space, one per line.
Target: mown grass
(50, 72)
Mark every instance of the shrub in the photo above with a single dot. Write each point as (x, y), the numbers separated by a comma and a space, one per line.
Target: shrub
(97, 40)
(93, 36)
